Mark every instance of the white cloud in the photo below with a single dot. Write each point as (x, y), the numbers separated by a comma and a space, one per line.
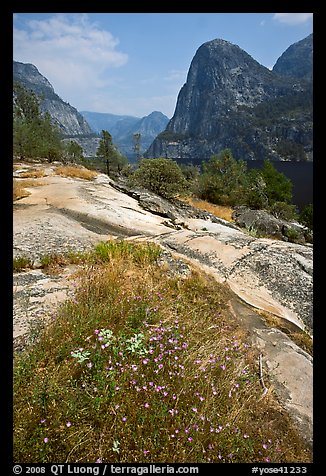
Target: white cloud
(70, 51)
(292, 18)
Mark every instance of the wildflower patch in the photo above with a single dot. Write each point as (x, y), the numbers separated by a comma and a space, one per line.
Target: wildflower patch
(178, 384)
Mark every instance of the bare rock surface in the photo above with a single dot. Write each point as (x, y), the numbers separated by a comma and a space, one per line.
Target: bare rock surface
(37, 296)
(270, 275)
(73, 214)
(288, 368)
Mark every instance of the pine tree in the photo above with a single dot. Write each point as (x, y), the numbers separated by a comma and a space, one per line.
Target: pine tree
(278, 186)
(109, 153)
(34, 135)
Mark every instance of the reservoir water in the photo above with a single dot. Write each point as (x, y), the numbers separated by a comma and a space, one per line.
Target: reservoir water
(301, 175)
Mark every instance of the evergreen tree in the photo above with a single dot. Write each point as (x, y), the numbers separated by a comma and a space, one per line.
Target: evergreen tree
(74, 151)
(255, 194)
(224, 179)
(136, 138)
(26, 104)
(33, 135)
(107, 152)
(278, 186)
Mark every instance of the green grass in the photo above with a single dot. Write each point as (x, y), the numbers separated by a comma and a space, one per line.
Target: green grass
(143, 367)
(103, 252)
(21, 263)
(119, 250)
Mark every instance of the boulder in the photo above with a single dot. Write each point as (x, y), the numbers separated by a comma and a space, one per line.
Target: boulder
(262, 223)
(158, 205)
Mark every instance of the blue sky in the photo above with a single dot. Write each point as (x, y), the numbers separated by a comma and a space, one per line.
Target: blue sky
(136, 63)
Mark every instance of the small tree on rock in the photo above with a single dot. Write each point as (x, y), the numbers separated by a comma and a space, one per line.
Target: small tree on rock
(109, 153)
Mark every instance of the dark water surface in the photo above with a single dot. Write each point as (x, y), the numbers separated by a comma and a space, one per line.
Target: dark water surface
(301, 175)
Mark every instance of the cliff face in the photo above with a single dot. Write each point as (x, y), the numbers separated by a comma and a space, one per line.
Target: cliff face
(70, 122)
(297, 60)
(230, 100)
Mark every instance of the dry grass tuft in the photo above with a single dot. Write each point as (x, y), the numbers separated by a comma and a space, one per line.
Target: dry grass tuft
(32, 173)
(219, 211)
(32, 183)
(76, 172)
(19, 190)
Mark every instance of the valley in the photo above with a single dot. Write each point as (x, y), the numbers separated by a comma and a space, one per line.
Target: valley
(156, 330)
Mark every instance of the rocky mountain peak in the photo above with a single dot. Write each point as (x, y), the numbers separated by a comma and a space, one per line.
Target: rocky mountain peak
(123, 128)
(221, 77)
(297, 60)
(225, 53)
(152, 124)
(219, 107)
(27, 74)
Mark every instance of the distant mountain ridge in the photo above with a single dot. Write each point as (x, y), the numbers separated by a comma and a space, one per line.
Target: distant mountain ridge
(99, 121)
(231, 101)
(122, 128)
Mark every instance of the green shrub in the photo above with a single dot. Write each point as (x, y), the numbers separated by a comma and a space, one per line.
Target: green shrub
(224, 180)
(283, 211)
(306, 216)
(190, 172)
(162, 176)
(292, 235)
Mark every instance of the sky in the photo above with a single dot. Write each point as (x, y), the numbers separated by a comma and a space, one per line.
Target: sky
(136, 63)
